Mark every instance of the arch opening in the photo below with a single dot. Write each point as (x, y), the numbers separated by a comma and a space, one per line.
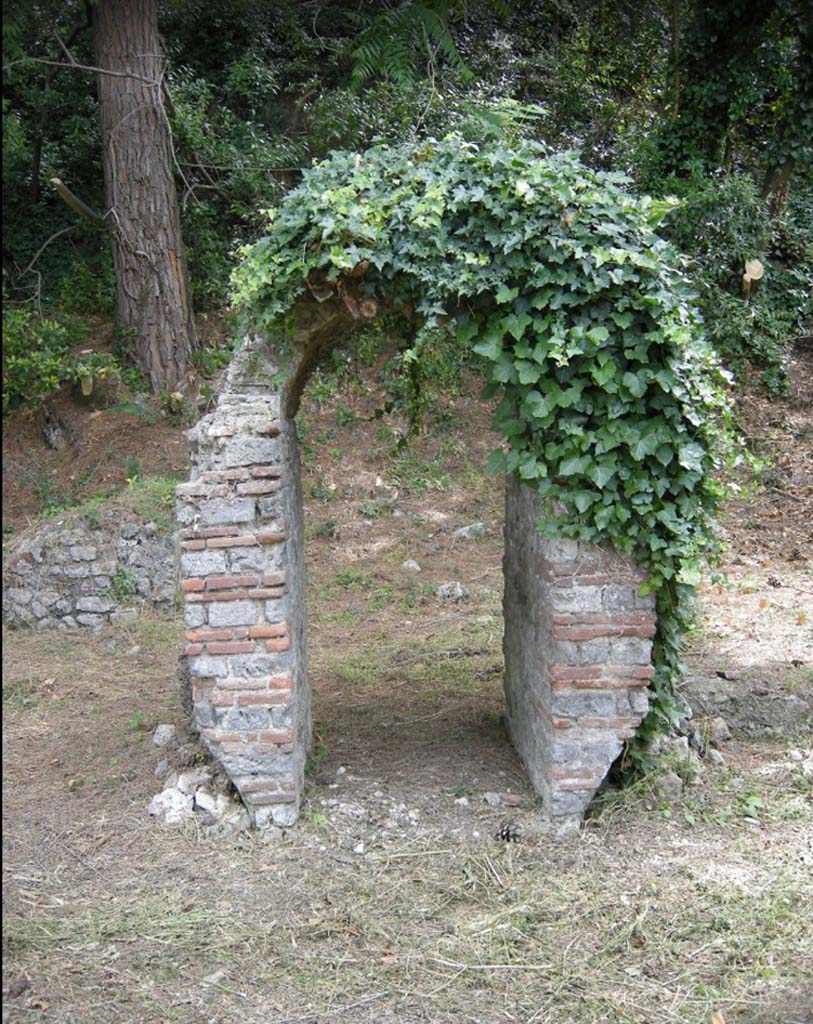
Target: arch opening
(577, 633)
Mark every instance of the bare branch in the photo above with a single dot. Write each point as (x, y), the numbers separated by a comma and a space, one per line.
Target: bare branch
(80, 67)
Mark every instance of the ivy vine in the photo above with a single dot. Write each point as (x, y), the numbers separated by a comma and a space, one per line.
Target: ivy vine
(611, 403)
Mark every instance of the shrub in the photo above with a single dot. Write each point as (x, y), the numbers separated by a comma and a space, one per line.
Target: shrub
(39, 357)
(36, 354)
(720, 223)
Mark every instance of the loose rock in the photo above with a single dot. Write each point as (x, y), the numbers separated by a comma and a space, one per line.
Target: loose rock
(475, 531)
(669, 786)
(719, 731)
(164, 734)
(171, 806)
(451, 591)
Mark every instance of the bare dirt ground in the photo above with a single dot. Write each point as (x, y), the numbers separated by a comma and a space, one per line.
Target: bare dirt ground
(392, 900)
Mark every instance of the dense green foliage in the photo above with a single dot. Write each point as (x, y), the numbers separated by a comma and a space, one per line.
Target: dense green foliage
(611, 403)
(721, 222)
(723, 90)
(39, 355)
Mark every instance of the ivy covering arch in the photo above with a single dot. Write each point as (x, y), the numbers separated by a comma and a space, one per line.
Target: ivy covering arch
(611, 403)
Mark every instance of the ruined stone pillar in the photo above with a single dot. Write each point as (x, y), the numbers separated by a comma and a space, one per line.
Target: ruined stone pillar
(577, 657)
(242, 576)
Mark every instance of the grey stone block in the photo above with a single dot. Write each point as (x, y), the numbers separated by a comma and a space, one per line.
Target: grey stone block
(232, 613)
(568, 600)
(95, 604)
(252, 665)
(194, 615)
(630, 650)
(581, 652)
(92, 621)
(205, 665)
(261, 558)
(226, 511)
(250, 451)
(203, 563)
(82, 554)
(245, 719)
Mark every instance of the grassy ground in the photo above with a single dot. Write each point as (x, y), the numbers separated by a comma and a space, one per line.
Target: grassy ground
(392, 900)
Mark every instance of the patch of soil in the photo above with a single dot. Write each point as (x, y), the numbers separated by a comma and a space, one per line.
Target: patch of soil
(102, 449)
(774, 523)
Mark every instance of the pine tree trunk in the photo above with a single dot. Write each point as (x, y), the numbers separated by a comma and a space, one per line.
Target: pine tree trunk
(777, 185)
(153, 304)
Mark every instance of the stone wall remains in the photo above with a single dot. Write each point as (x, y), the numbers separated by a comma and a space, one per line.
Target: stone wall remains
(578, 645)
(82, 570)
(242, 574)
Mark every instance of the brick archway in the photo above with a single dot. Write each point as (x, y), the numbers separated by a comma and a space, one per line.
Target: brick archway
(577, 632)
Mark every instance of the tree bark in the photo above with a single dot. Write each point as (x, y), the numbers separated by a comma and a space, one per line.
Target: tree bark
(777, 185)
(153, 302)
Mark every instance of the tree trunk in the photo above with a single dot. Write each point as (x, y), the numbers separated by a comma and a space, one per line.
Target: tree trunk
(776, 186)
(153, 303)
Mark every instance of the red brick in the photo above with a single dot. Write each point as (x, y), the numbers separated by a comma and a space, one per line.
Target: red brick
(575, 784)
(275, 736)
(219, 699)
(192, 532)
(607, 723)
(278, 646)
(241, 683)
(270, 537)
(242, 540)
(280, 682)
(600, 618)
(277, 784)
(273, 629)
(592, 632)
(265, 698)
(564, 672)
(261, 799)
(193, 545)
(275, 579)
(258, 487)
(232, 647)
(597, 684)
(216, 736)
(266, 471)
(228, 582)
(217, 595)
(267, 593)
(202, 635)
(193, 583)
(193, 649)
(574, 773)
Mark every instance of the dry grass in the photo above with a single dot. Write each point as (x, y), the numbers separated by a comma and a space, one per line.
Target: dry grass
(390, 902)
(653, 914)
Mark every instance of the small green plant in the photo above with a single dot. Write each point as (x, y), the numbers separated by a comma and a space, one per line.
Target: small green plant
(123, 585)
(319, 750)
(210, 361)
(133, 468)
(345, 417)
(316, 530)
(136, 723)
